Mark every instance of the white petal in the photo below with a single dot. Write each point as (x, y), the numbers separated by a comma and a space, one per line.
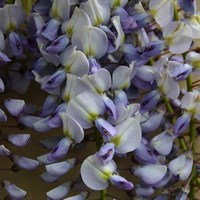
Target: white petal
(194, 23)
(163, 143)
(91, 40)
(97, 10)
(60, 9)
(151, 174)
(13, 16)
(85, 108)
(71, 128)
(99, 81)
(168, 84)
(120, 34)
(121, 77)
(74, 61)
(95, 175)
(160, 8)
(129, 136)
(59, 192)
(175, 33)
(60, 168)
(78, 18)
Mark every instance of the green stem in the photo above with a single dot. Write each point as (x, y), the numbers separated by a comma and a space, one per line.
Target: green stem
(103, 194)
(189, 84)
(193, 142)
(176, 14)
(98, 146)
(182, 142)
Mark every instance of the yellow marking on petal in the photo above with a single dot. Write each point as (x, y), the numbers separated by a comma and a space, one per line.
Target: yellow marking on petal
(154, 12)
(195, 64)
(117, 3)
(106, 175)
(98, 21)
(11, 27)
(69, 31)
(90, 52)
(116, 140)
(55, 14)
(68, 134)
(169, 40)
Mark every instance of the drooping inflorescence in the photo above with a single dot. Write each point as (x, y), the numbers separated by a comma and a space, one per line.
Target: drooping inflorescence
(120, 74)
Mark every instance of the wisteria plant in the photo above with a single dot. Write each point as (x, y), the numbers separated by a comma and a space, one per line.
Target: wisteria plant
(120, 74)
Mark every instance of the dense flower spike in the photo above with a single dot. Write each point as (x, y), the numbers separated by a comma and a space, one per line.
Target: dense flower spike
(119, 75)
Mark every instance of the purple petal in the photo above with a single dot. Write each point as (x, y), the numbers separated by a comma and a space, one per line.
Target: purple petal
(58, 45)
(3, 117)
(150, 100)
(55, 119)
(44, 159)
(121, 182)
(59, 192)
(181, 124)
(163, 182)
(25, 163)
(106, 153)
(14, 191)
(29, 120)
(110, 107)
(42, 125)
(144, 191)
(152, 122)
(19, 140)
(15, 44)
(145, 173)
(49, 106)
(145, 155)
(49, 178)
(60, 150)
(120, 97)
(105, 128)
(4, 151)
(4, 58)
(189, 6)
(54, 80)
(51, 142)
(2, 86)
(14, 106)
(49, 30)
(59, 169)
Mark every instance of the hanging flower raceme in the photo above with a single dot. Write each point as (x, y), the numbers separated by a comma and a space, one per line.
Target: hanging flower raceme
(111, 73)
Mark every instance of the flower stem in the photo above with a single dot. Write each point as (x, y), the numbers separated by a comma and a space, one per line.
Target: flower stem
(193, 143)
(182, 142)
(98, 146)
(176, 14)
(192, 140)
(103, 194)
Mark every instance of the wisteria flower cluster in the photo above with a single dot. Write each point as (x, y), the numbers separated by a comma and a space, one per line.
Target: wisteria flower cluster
(113, 73)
